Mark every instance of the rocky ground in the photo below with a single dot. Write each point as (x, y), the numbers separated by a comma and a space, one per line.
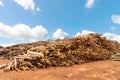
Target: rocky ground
(99, 70)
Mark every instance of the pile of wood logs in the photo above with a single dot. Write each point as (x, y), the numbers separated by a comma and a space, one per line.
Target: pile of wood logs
(19, 49)
(66, 52)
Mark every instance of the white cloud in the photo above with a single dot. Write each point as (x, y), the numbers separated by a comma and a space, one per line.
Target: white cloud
(111, 36)
(37, 9)
(116, 19)
(22, 32)
(113, 28)
(6, 45)
(89, 3)
(1, 3)
(84, 32)
(59, 34)
(26, 4)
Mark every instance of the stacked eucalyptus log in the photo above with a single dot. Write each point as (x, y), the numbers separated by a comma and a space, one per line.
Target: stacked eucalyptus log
(66, 52)
(19, 49)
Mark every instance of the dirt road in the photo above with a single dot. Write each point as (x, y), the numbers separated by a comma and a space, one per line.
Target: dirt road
(99, 70)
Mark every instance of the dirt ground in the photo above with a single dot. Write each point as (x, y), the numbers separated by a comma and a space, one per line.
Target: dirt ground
(99, 70)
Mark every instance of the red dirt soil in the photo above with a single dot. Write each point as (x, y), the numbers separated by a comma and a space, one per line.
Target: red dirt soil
(99, 70)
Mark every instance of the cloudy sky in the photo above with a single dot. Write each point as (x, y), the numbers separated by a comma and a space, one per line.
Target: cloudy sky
(32, 20)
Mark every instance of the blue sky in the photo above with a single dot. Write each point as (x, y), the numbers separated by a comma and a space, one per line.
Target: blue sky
(32, 20)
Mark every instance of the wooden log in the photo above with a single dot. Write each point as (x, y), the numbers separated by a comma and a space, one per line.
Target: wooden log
(3, 66)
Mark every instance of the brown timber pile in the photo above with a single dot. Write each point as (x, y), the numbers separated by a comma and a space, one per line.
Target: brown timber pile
(67, 52)
(19, 49)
